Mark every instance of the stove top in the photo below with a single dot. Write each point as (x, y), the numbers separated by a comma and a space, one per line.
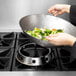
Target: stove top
(10, 42)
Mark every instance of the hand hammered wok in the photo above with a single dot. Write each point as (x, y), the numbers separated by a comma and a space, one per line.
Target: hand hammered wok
(45, 21)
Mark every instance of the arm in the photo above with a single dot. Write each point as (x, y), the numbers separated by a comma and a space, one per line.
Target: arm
(65, 40)
(59, 9)
(55, 39)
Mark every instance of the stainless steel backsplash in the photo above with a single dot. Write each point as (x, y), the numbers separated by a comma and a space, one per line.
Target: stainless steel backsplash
(11, 11)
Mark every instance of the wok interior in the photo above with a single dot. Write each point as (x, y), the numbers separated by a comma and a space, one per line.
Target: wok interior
(39, 21)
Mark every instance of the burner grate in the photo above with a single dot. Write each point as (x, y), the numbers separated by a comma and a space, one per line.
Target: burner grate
(7, 35)
(5, 59)
(7, 41)
(65, 59)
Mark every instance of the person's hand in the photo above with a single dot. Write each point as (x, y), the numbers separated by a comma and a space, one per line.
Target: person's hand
(59, 9)
(61, 39)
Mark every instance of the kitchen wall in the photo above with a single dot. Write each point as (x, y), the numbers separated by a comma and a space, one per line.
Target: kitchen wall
(72, 2)
(12, 10)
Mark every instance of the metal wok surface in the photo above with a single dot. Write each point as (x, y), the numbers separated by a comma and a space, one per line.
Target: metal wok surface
(45, 21)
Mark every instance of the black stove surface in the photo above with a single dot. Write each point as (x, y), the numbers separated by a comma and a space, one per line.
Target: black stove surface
(10, 44)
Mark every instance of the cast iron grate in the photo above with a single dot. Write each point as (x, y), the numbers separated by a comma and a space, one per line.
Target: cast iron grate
(7, 41)
(65, 59)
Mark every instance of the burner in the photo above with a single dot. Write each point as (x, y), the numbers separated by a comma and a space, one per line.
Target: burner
(32, 50)
(32, 55)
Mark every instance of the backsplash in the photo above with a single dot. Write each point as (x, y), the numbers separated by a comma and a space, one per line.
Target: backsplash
(11, 11)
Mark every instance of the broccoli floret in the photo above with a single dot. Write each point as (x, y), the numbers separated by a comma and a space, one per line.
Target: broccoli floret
(48, 31)
(59, 31)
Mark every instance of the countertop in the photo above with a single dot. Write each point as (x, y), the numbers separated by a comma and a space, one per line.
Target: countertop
(45, 73)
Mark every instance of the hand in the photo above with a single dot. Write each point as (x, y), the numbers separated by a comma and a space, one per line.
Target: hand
(61, 39)
(59, 9)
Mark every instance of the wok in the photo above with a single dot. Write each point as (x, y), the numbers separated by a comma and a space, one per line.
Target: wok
(42, 20)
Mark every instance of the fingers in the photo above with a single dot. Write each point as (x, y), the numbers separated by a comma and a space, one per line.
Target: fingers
(55, 13)
(51, 9)
(54, 10)
(57, 10)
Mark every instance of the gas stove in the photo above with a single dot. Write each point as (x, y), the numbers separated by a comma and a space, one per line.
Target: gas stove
(10, 42)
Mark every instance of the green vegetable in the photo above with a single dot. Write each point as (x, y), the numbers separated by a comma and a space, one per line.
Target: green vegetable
(59, 31)
(41, 33)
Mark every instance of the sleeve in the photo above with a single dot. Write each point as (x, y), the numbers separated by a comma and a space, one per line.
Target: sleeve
(73, 51)
(74, 45)
(73, 14)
